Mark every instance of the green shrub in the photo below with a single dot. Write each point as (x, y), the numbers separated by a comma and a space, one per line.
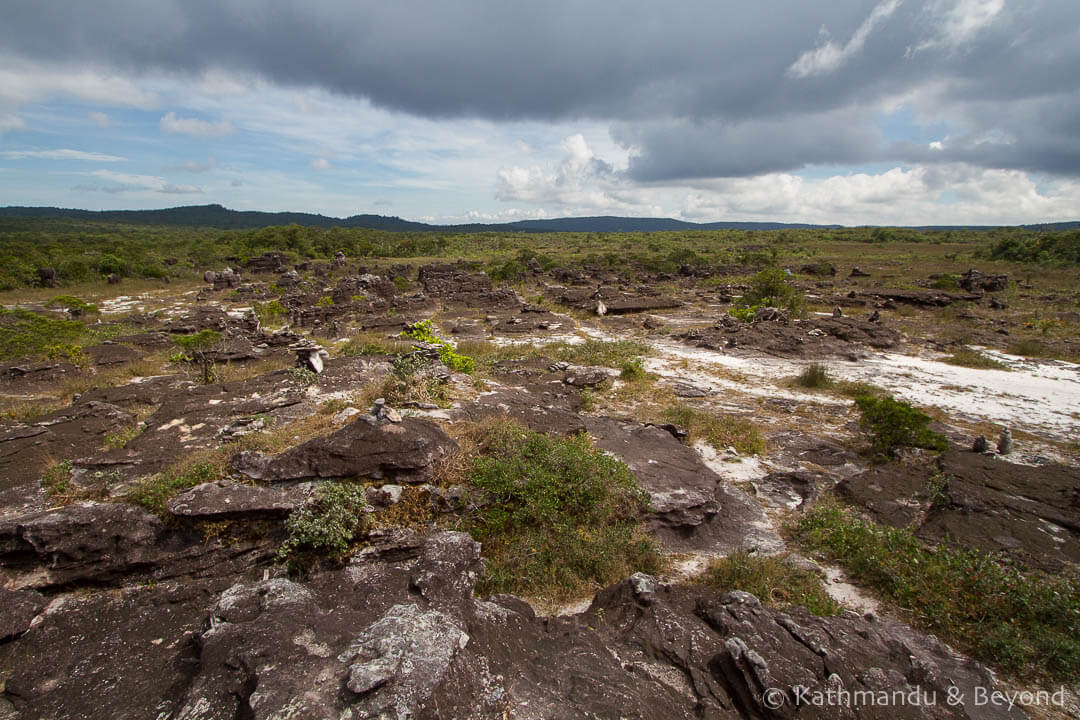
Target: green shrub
(719, 431)
(331, 521)
(424, 331)
(269, 312)
(73, 305)
(56, 480)
(28, 333)
(894, 424)
(401, 283)
(771, 288)
(302, 376)
(773, 580)
(633, 370)
(744, 314)
(946, 282)
(1022, 622)
(325, 301)
(68, 352)
(560, 518)
(154, 493)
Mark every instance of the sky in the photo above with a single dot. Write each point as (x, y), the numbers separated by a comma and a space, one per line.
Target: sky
(886, 112)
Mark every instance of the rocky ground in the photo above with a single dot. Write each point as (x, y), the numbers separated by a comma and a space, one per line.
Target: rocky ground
(116, 604)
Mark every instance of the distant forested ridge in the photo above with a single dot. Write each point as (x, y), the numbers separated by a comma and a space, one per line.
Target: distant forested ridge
(217, 216)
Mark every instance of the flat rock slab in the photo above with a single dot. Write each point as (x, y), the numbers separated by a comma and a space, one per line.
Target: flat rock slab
(807, 339)
(692, 507)
(113, 354)
(211, 500)
(83, 542)
(1030, 513)
(364, 448)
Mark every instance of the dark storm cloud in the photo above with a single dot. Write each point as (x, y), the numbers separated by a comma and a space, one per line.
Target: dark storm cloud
(696, 88)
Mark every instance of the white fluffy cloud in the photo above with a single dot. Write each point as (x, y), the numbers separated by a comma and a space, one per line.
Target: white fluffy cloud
(954, 193)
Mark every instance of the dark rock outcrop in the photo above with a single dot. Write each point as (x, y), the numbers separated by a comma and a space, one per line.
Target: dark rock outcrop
(1029, 513)
(364, 448)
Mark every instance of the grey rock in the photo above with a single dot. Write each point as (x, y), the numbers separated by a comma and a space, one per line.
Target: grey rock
(399, 660)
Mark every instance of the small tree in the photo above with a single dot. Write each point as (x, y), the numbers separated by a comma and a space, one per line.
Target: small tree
(771, 288)
(893, 424)
(198, 348)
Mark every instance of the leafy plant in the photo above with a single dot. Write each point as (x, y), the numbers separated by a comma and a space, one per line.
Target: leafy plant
(773, 580)
(120, 438)
(424, 331)
(894, 424)
(560, 518)
(329, 522)
(325, 301)
(56, 479)
(302, 376)
(69, 352)
(771, 288)
(269, 312)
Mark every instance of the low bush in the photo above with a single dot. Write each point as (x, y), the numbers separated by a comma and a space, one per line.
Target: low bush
(893, 424)
(719, 431)
(73, 305)
(28, 333)
(330, 522)
(269, 312)
(560, 518)
(773, 580)
(770, 288)
(424, 331)
(56, 480)
(1021, 621)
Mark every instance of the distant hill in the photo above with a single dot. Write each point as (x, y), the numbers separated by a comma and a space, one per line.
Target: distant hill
(217, 216)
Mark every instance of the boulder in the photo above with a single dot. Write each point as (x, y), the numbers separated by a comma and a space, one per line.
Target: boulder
(364, 448)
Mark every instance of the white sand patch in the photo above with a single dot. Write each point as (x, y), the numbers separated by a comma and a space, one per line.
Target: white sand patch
(845, 593)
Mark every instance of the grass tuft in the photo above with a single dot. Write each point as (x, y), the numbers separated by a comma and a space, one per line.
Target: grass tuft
(720, 431)
(815, 375)
(773, 580)
(970, 358)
